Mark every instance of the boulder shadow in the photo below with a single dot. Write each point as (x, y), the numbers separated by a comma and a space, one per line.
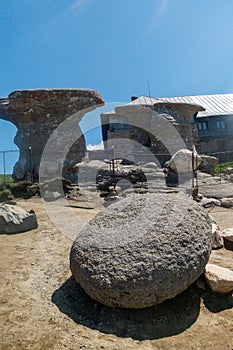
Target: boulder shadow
(166, 319)
(216, 302)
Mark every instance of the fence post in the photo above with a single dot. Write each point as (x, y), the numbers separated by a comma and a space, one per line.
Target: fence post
(220, 168)
(4, 167)
(30, 163)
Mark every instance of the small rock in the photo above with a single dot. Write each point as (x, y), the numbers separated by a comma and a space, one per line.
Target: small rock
(210, 202)
(227, 202)
(228, 238)
(217, 237)
(228, 234)
(152, 165)
(10, 202)
(218, 278)
(51, 196)
(14, 219)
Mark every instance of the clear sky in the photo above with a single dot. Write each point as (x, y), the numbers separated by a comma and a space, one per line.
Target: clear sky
(181, 47)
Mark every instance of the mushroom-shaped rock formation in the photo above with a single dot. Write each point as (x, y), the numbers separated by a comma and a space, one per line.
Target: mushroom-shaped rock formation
(36, 114)
(143, 250)
(162, 127)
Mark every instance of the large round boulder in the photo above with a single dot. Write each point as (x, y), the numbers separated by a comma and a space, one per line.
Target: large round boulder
(142, 250)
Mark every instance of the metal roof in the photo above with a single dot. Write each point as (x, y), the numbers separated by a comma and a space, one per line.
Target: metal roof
(221, 104)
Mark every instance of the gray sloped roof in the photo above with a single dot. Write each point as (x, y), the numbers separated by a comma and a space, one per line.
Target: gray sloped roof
(221, 104)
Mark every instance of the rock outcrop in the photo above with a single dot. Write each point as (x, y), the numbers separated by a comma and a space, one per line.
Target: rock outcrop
(14, 219)
(36, 114)
(142, 250)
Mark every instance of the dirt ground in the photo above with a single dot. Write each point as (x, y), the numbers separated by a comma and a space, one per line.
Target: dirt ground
(43, 308)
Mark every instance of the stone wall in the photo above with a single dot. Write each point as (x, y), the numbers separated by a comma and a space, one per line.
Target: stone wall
(222, 148)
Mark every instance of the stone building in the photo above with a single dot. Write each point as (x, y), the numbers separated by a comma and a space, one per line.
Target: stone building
(148, 126)
(205, 121)
(215, 123)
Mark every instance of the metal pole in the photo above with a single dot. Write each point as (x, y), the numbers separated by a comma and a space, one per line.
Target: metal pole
(113, 173)
(30, 162)
(113, 168)
(193, 171)
(4, 167)
(220, 168)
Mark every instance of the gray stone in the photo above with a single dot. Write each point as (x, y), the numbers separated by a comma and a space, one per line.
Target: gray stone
(51, 196)
(210, 202)
(217, 242)
(152, 165)
(228, 238)
(142, 250)
(217, 237)
(208, 164)
(14, 219)
(218, 278)
(227, 202)
(214, 187)
(228, 234)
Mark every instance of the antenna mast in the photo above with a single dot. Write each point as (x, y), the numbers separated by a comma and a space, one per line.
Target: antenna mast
(148, 85)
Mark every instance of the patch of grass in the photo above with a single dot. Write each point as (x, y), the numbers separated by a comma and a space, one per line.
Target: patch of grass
(5, 195)
(19, 189)
(8, 179)
(221, 167)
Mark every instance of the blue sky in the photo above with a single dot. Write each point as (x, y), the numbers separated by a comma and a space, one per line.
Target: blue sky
(181, 47)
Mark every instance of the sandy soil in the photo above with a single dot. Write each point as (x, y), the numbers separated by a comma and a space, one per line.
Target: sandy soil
(43, 308)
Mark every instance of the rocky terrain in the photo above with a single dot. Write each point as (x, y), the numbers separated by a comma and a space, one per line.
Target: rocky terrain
(42, 307)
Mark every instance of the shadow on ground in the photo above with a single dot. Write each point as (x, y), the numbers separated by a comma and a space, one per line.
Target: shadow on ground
(169, 318)
(216, 302)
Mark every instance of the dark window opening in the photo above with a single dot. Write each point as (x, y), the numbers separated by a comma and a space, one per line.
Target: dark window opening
(221, 124)
(119, 127)
(203, 125)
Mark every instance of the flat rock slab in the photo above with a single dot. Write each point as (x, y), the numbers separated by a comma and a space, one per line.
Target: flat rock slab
(219, 279)
(14, 219)
(215, 189)
(227, 202)
(142, 250)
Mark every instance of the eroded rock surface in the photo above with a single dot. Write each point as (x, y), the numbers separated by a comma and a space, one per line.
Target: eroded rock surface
(142, 250)
(36, 114)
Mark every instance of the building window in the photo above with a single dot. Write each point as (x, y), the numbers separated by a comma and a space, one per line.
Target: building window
(202, 125)
(119, 127)
(221, 125)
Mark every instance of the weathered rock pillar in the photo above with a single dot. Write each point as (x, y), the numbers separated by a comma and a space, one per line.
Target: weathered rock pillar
(36, 114)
